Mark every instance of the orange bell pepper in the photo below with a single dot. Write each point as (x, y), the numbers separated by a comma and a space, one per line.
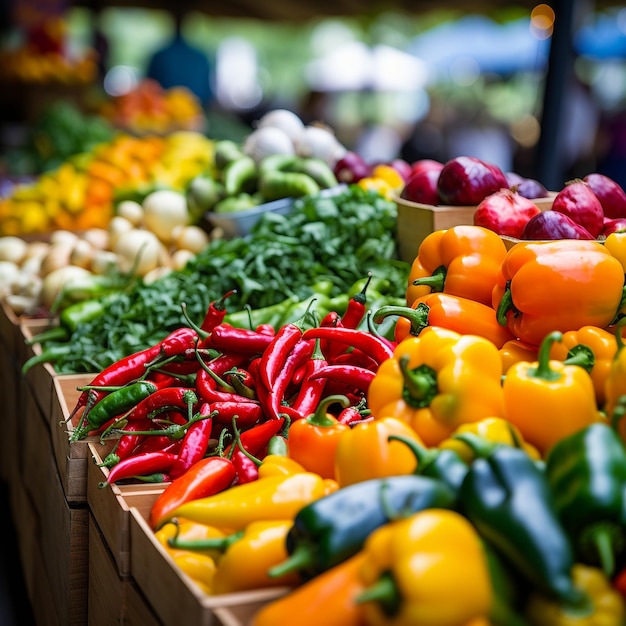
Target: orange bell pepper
(615, 385)
(328, 599)
(463, 261)
(462, 315)
(514, 351)
(557, 285)
(314, 439)
(365, 452)
(437, 381)
(547, 399)
(597, 346)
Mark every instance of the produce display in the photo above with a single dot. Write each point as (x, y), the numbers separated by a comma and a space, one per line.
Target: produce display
(321, 418)
(357, 465)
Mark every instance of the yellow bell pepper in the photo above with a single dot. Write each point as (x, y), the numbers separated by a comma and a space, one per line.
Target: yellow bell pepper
(199, 567)
(245, 563)
(604, 606)
(495, 429)
(603, 347)
(188, 531)
(548, 400)
(437, 381)
(364, 452)
(269, 498)
(279, 465)
(412, 565)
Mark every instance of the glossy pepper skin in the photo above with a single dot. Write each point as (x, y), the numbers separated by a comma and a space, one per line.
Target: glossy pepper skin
(494, 429)
(328, 599)
(604, 606)
(365, 451)
(413, 563)
(268, 498)
(507, 498)
(587, 474)
(548, 400)
(462, 315)
(557, 285)
(334, 528)
(462, 261)
(437, 381)
(603, 346)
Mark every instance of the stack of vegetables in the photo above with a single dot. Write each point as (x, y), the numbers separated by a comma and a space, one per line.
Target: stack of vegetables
(82, 192)
(482, 445)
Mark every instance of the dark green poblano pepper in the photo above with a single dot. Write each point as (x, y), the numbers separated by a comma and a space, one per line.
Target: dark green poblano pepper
(507, 497)
(332, 529)
(587, 475)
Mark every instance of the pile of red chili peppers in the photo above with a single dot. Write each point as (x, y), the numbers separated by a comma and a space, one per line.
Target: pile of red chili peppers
(226, 393)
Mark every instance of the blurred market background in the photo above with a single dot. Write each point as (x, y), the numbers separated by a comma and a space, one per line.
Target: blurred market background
(535, 88)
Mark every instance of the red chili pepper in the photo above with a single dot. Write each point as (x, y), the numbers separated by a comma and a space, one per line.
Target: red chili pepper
(163, 400)
(354, 413)
(227, 338)
(266, 329)
(205, 478)
(300, 353)
(353, 376)
(158, 443)
(371, 344)
(195, 443)
(254, 441)
(141, 465)
(312, 389)
(356, 357)
(206, 386)
(247, 413)
(133, 367)
(127, 443)
(216, 312)
(225, 362)
(355, 312)
(283, 342)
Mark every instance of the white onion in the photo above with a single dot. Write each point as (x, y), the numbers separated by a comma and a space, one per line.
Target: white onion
(192, 238)
(55, 281)
(285, 120)
(321, 143)
(163, 211)
(12, 249)
(130, 210)
(138, 250)
(267, 141)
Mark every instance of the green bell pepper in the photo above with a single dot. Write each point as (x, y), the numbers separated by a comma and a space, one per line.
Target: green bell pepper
(587, 474)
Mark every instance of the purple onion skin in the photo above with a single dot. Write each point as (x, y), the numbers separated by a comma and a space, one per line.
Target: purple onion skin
(554, 225)
(611, 195)
(467, 181)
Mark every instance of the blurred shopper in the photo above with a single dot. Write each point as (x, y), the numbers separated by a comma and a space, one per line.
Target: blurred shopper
(179, 64)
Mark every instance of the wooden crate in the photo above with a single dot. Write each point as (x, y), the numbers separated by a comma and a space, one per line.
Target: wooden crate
(63, 529)
(416, 221)
(173, 595)
(110, 507)
(71, 457)
(113, 599)
(9, 392)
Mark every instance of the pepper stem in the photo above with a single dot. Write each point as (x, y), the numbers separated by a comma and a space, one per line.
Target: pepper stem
(543, 369)
(604, 539)
(480, 446)
(423, 455)
(582, 356)
(420, 383)
(299, 560)
(505, 305)
(385, 592)
(214, 543)
(417, 316)
(320, 417)
(436, 281)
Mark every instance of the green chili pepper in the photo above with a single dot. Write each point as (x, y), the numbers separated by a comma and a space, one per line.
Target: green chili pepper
(49, 355)
(335, 527)
(266, 315)
(507, 497)
(239, 176)
(71, 318)
(113, 404)
(587, 474)
(440, 463)
(275, 184)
